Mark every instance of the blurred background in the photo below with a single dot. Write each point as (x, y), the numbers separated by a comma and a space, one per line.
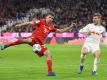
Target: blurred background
(80, 12)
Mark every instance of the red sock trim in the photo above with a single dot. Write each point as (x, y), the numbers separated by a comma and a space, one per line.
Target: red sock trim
(49, 64)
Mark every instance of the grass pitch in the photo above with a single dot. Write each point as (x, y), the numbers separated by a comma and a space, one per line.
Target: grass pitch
(20, 63)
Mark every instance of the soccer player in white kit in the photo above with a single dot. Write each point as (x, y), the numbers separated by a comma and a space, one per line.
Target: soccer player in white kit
(94, 33)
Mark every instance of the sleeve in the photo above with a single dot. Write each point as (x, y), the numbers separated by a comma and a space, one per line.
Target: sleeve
(35, 23)
(104, 33)
(54, 29)
(85, 29)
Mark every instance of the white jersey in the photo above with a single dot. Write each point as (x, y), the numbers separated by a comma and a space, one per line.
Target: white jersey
(95, 32)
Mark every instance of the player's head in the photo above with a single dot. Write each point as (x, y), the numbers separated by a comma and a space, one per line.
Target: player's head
(49, 17)
(97, 18)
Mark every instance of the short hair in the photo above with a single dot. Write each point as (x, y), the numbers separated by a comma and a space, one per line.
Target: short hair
(51, 13)
(97, 14)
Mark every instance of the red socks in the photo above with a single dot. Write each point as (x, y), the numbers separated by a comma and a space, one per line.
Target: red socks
(49, 64)
(20, 41)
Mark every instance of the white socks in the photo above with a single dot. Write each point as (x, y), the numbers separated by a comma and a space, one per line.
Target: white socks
(95, 64)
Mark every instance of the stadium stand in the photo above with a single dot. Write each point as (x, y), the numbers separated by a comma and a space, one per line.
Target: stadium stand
(66, 11)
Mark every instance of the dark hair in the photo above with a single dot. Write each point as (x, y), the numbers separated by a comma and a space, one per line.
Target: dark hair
(97, 14)
(51, 13)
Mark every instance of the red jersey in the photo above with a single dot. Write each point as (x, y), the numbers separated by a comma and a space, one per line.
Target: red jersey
(42, 30)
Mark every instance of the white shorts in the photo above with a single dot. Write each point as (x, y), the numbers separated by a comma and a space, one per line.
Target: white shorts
(91, 47)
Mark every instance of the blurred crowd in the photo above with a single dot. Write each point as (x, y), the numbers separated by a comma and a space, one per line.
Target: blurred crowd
(66, 12)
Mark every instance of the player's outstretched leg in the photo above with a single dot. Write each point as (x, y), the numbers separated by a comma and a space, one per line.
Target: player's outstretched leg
(49, 63)
(4, 46)
(19, 41)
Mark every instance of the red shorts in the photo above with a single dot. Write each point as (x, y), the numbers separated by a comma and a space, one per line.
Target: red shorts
(38, 41)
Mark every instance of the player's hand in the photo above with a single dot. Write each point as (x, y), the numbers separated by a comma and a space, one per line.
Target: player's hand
(73, 25)
(18, 25)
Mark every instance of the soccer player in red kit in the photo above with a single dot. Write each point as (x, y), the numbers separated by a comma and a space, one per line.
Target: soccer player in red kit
(43, 28)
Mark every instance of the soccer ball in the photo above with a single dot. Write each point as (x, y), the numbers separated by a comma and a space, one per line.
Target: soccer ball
(36, 48)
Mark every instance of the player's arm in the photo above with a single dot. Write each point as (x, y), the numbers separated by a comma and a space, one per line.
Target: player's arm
(65, 29)
(102, 39)
(84, 30)
(27, 23)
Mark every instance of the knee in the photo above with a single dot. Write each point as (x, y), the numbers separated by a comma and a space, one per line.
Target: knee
(84, 51)
(97, 54)
(48, 55)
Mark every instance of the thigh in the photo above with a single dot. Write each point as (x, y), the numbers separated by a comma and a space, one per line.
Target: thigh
(86, 48)
(44, 51)
(36, 40)
(95, 48)
(33, 41)
(27, 40)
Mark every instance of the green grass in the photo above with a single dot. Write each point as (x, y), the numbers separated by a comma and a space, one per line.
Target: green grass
(20, 63)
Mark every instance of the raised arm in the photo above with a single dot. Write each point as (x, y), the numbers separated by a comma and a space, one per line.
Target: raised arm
(65, 29)
(27, 23)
